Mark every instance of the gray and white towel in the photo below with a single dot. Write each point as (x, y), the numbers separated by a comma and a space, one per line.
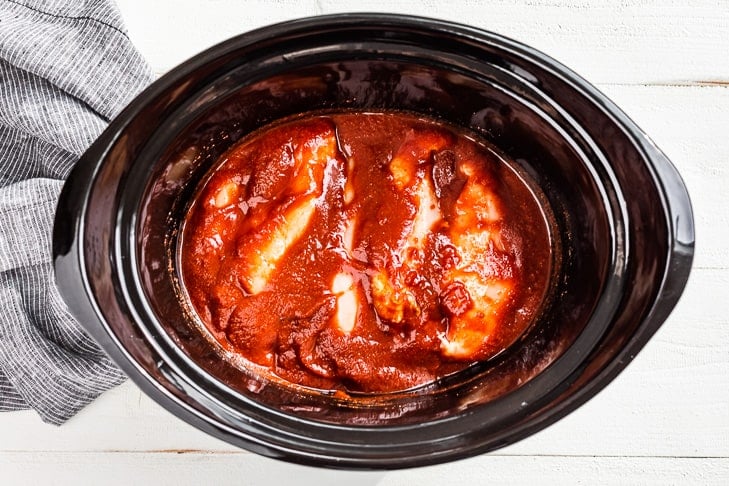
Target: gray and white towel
(66, 68)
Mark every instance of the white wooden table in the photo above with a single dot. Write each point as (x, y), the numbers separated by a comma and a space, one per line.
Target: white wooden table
(664, 420)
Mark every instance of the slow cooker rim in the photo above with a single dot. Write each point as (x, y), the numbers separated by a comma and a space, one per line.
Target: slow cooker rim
(568, 405)
(155, 334)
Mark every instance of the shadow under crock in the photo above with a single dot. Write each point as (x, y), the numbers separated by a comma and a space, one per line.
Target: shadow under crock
(622, 225)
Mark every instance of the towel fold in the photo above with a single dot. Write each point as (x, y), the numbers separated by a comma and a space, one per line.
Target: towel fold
(66, 69)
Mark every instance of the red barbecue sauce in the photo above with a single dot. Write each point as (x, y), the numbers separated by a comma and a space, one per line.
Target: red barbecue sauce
(369, 252)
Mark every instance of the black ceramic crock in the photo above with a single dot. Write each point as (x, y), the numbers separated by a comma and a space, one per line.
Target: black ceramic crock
(622, 220)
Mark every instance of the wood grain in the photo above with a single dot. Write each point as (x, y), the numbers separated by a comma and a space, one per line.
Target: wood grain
(634, 41)
(242, 468)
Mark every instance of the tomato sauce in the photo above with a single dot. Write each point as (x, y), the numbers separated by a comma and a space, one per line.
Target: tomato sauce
(369, 252)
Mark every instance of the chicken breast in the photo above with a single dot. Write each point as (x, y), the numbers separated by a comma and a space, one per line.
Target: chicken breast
(263, 248)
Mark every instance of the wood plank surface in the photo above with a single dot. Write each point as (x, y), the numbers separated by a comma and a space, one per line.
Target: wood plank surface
(606, 41)
(128, 468)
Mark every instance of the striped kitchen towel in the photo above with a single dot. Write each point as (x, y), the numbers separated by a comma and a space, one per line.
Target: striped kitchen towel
(66, 68)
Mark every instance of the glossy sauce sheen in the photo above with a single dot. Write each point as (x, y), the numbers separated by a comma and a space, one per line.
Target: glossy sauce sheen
(366, 252)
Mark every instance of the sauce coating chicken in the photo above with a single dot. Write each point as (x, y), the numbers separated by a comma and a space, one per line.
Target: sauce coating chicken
(365, 251)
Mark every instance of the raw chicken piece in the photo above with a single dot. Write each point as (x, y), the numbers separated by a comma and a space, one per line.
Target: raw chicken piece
(417, 149)
(343, 285)
(262, 255)
(349, 183)
(392, 298)
(392, 301)
(473, 296)
(262, 250)
(347, 304)
(226, 195)
(469, 331)
(350, 222)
